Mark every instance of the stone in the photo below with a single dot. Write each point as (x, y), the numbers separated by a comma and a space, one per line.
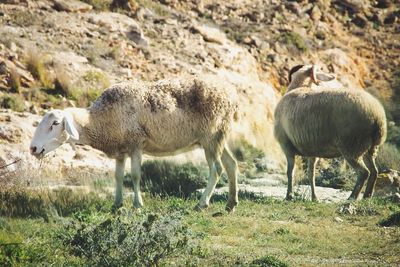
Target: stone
(210, 34)
(338, 219)
(116, 22)
(353, 6)
(383, 3)
(347, 208)
(360, 21)
(316, 13)
(71, 6)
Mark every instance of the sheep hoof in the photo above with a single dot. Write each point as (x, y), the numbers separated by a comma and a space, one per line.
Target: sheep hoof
(289, 197)
(351, 198)
(315, 199)
(367, 194)
(115, 207)
(200, 207)
(137, 206)
(230, 206)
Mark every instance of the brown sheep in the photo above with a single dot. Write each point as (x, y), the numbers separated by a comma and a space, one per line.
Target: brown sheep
(329, 123)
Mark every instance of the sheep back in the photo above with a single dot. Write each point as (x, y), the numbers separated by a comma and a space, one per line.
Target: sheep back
(329, 122)
(160, 117)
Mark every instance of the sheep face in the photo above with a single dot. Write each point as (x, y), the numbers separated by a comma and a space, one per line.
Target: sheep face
(55, 129)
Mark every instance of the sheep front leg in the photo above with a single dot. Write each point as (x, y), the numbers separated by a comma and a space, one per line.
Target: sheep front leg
(215, 167)
(119, 176)
(311, 176)
(136, 163)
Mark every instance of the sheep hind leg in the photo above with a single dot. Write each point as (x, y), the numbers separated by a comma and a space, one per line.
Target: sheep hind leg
(311, 176)
(215, 166)
(136, 163)
(231, 168)
(290, 171)
(369, 159)
(119, 176)
(363, 173)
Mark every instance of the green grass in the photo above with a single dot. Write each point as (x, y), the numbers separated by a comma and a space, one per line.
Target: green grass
(262, 232)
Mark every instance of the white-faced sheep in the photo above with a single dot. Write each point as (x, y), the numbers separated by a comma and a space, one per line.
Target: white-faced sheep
(160, 118)
(329, 123)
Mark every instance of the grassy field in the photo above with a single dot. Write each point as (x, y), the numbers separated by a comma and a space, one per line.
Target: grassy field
(67, 228)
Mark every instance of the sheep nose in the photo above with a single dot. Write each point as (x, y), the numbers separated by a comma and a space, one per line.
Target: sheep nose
(33, 149)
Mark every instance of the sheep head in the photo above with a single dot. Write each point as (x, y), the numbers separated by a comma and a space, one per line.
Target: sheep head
(304, 75)
(56, 128)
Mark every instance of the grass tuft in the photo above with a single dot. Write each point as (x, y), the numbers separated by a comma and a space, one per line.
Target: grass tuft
(268, 261)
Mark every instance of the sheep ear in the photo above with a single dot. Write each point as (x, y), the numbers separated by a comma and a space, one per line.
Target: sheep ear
(324, 77)
(70, 127)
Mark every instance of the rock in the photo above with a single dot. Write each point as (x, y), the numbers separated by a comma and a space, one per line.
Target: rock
(294, 7)
(353, 6)
(396, 198)
(338, 219)
(210, 34)
(383, 3)
(360, 21)
(388, 183)
(347, 208)
(71, 6)
(116, 22)
(316, 13)
(392, 18)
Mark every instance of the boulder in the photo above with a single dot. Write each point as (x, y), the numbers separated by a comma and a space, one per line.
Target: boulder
(115, 22)
(71, 6)
(210, 34)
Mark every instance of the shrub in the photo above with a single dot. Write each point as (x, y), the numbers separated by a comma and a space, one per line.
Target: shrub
(249, 156)
(35, 65)
(16, 201)
(124, 240)
(335, 174)
(14, 102)
(392, 220)
(93, 84)
(268, 261)
(295, 40)
(388, 157)
(15, 80)
(99, 4)
(167, 178)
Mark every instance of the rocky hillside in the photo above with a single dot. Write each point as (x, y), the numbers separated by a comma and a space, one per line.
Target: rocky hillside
(64, 53)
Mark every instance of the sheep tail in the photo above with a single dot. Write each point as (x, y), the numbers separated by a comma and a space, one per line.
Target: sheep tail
(380, 131)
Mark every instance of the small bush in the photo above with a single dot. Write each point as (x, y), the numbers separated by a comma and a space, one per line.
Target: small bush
(15, 80)
(392, 220)
(123, 240)
(388, 157)
(249, 156)
(23, 18)
(295, 40)
(93, 84)
(21, 202)
(14, 102)
(35, 65)
(166, 178)
(100, 5)
(393, 134)
(268, 261)
(335, 174)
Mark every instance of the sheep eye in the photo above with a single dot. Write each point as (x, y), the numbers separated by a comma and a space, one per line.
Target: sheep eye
(56, 123)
